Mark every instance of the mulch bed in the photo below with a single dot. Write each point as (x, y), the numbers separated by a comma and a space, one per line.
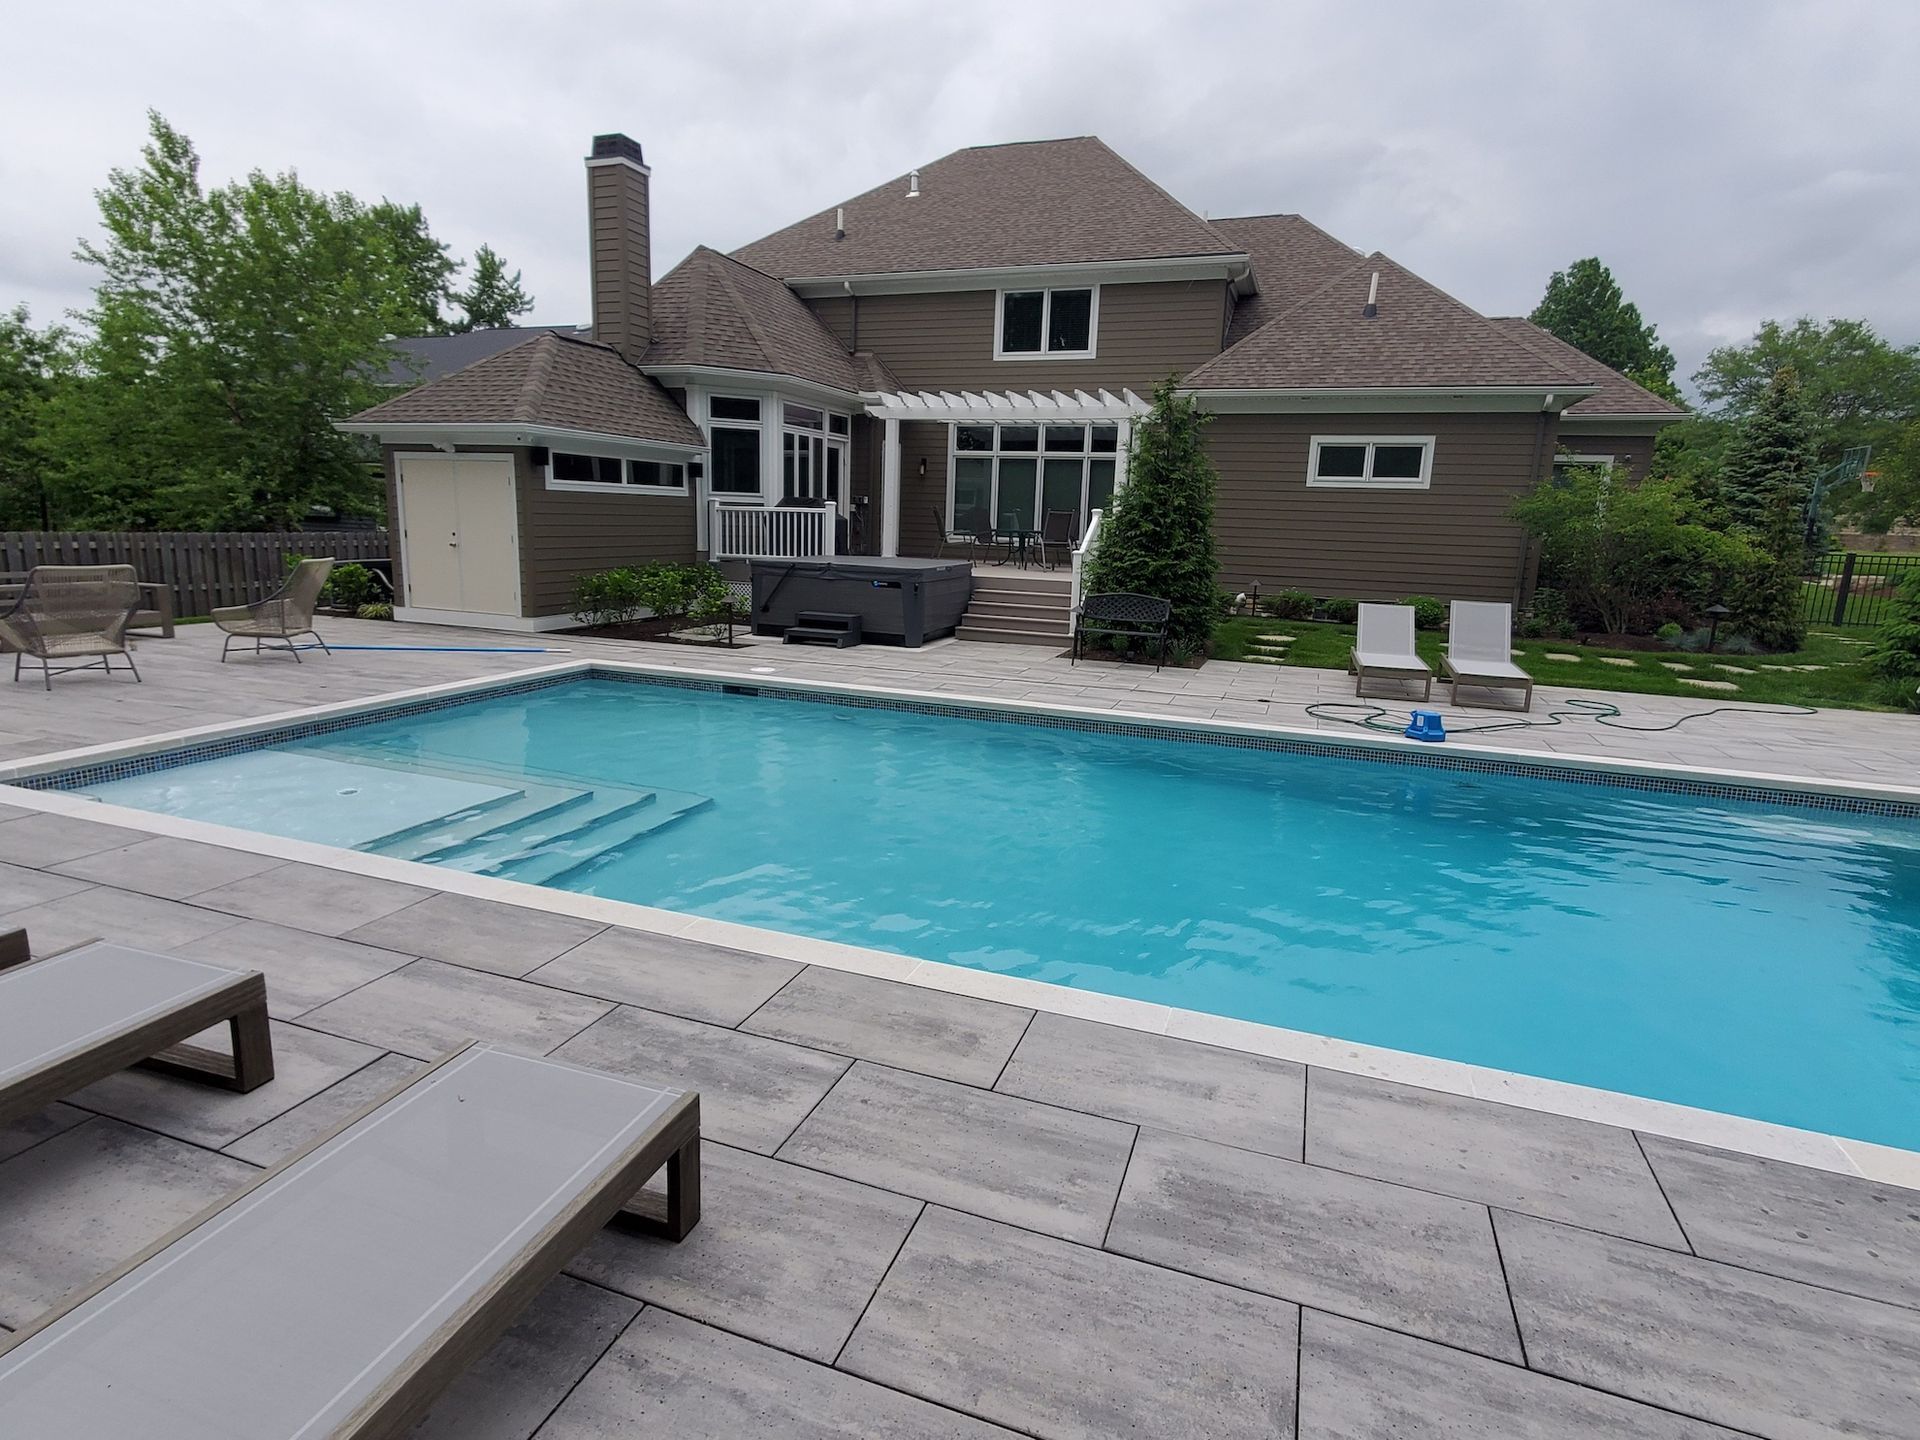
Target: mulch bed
(657, 630)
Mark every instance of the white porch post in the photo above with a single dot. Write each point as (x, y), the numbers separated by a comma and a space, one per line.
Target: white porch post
(1123, 452)
(890, 487)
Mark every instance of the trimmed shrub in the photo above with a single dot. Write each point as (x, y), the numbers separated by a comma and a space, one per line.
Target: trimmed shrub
(1288, 605)
(1670, 633)
(1342, 612)
(349, 587)
(1895, 656)
(608, 597)
(377, 610)
(1428, 613)
(1547, 617)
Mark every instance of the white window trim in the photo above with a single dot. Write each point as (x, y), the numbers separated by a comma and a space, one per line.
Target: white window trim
(759, 427)
(1602, 463)
(1366, 481)
(599, 487)
(1046, 315)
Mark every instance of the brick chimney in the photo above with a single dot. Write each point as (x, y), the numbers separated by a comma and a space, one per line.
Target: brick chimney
(622, 247)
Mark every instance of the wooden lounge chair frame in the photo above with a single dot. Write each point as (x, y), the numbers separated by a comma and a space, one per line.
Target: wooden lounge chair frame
(1486, 672)
(156, 1042)
(1383, 665)
(409, 1390)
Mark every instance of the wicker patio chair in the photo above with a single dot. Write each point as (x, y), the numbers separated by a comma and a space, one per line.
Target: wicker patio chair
(283, 616)
(65, 612)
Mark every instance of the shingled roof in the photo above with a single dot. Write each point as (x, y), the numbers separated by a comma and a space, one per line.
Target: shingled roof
(1421, 337)
(1044, 202)
(712, 310)
(1617, 395)
(549, 380)
(1292, 258)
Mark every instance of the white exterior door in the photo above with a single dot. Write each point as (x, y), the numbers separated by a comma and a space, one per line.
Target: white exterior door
(459, 534)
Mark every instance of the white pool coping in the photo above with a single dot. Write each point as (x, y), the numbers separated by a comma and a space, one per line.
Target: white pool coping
(1884, 1163)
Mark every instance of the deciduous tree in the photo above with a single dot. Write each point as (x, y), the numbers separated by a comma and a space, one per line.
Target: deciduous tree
(33, 365)
(1584, 306)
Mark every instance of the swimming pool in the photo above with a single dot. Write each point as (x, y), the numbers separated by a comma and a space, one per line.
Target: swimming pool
(1758, 959)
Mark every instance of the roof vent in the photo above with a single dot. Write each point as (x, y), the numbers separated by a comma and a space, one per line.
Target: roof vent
(913, 184)
(1372, 307)
(840, 223)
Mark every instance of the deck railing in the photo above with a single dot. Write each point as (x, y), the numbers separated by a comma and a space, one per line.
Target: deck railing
(1083, 552)
(760, 532)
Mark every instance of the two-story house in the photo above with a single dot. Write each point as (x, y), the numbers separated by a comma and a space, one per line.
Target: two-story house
(966, 347)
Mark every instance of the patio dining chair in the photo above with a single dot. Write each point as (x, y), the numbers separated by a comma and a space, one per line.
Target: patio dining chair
(72, 612)
(283, 616)
(1057, 537)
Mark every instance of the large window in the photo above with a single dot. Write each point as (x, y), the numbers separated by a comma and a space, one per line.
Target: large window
(1009, 477)
(576, 470)
(733, 442)
(1564, 464)
(1046, 324)
(1371, 462)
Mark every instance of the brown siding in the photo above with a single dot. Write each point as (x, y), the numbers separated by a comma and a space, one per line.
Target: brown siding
(568, 533)
(1631, 453)
(836, 313)
(945, 341)
(920, 497)
(621, 274)
(1453, 540)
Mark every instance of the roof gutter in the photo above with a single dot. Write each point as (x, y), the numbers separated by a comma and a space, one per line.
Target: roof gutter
(503, 432)
(721, 376)
(1404, 398)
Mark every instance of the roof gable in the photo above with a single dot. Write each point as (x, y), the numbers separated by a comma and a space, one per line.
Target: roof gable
(549, 381)
(1617, 394)
(1291, 257)
(712, 310)
(1421, 337)
(1045, 202)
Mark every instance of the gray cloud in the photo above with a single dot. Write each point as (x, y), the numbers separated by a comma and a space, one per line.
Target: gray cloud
(1730, 161)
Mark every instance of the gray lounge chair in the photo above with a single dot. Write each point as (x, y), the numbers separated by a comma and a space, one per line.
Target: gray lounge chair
(340, 1292)
(1480, 650)
(66, 612)
(1383, 649)
(283, 616)
(67, 1020)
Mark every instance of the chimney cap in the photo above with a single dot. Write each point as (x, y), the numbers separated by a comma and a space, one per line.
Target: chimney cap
(616, 147)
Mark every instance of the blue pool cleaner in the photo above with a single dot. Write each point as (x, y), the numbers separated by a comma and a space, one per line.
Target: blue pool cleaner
(1426, 726)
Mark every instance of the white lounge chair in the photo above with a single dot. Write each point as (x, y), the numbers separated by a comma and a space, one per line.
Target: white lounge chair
(1383, 649)
(1480, 650)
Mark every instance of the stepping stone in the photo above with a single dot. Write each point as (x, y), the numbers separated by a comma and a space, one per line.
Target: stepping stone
(1280, 639)
(1616, 660)
(1734, 669)
(1557, 655)
(1788, 668)
(1709, 684)
(1808, 667)
(1675, 665)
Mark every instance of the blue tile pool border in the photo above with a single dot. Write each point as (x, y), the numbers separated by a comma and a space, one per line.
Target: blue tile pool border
(81, 777)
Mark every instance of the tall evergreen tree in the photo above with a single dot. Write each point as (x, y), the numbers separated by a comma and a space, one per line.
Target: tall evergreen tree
(1157, 539)
(1584, 306)
(1771, 456)
(494, 299)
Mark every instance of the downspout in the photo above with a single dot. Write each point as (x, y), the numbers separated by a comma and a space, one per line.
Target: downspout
(1529, 577)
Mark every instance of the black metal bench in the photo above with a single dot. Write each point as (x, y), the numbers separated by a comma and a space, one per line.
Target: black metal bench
(1130, 617)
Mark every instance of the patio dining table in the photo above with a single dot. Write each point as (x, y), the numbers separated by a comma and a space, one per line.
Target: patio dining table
(1021, 542)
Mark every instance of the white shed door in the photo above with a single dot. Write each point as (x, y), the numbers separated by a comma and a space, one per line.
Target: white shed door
(460, 538)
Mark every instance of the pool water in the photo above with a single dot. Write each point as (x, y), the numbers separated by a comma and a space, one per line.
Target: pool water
(1756, 960)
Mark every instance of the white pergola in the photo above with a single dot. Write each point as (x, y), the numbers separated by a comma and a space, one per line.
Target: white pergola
(984, 407)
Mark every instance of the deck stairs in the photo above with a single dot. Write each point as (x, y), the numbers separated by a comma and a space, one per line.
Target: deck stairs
(545, 831)
(1019, 607)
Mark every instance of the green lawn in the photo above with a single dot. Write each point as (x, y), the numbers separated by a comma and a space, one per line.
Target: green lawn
(1844, 682)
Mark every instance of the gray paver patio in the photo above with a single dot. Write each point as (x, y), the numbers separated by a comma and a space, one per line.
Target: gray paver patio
(1246, 1100)
(1361, 1199)
(905, 1026)
(1033, 1165)
(1425, 1264)
(782, 1255)
(1743, 1349)
(1572, 1170)
(698, 982)
(1846, 1234)
(1061, 1340)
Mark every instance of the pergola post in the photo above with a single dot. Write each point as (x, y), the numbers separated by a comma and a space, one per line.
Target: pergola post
(1123, 452)
(890, 487)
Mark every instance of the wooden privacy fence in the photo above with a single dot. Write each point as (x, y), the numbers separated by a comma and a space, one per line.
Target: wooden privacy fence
(202, 569)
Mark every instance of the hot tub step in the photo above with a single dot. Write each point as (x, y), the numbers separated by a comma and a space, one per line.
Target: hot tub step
(823, 627)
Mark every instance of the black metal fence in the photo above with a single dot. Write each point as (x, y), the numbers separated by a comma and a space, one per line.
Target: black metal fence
(1854, 589)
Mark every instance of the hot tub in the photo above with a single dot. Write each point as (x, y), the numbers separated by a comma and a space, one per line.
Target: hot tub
(899, 601)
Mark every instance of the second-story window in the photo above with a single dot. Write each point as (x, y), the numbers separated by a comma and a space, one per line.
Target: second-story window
(1047, 324)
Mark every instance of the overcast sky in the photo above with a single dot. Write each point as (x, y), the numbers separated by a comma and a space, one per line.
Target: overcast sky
(1731, 161)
